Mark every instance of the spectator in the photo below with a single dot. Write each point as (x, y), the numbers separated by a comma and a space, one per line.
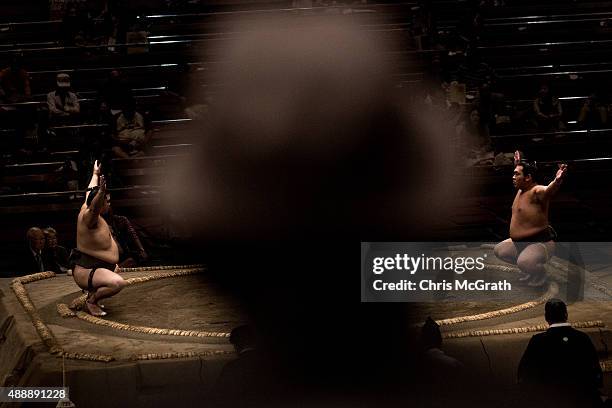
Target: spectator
(437, 364)
(132, 134)
(116, 22)
(471, 24)
(15, 83)
(548, 110)
(246, 379)
(560, 366)
(593, 114)
(77, 24)
(439, 375)
(474, 135)
(70, 26)
(55, 257)
(132, 252)
(63, 104)
(114, 94)
(423, 26)
(32, 259)
(15, 88)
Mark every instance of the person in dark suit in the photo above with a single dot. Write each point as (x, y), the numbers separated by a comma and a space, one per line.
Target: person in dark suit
(32, 259)
(560, 367)
(55, 257)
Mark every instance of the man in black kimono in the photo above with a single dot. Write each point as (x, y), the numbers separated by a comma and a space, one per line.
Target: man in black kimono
(560, 367)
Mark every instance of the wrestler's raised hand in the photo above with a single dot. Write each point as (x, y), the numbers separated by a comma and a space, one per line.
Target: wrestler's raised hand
(102, 184)
(517, 157)
(97, 168)
(561, 172)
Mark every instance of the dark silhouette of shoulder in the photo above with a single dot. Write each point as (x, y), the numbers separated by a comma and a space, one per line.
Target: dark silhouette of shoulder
(560, 355)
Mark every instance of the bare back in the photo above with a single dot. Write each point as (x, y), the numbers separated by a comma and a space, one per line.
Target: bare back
(529, 213)
(97, 241)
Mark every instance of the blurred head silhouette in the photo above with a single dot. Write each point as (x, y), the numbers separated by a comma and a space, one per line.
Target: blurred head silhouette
(310, 134)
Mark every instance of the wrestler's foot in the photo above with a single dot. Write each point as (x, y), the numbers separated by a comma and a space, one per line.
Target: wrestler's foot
(523, 277)
(91, 298)
(94, 309)
(538, 281)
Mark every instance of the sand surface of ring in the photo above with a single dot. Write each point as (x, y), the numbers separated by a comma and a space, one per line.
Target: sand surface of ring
(181, 303)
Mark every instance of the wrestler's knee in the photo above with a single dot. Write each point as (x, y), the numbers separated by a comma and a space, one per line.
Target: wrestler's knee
(498, 250)
(117, 283)
(526, 264)
(505, 251)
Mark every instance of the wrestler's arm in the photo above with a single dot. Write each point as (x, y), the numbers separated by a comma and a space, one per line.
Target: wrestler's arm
(93, 211)
(95, 178)
(554, 185)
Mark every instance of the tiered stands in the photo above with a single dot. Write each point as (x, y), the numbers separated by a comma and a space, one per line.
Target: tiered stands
(525, 44)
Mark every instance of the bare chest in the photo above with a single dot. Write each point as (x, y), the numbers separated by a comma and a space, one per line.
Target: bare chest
(100, 235)
(526, 202)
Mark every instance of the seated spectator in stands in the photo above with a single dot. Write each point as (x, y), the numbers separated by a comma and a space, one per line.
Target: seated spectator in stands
(32, 259)
(423, 25)
(55, 257)
(63, 104)
(116, 21)
(132, 134)
(455, 114)
(77, 26)
(473, 135)
(15, 88)
(131, 250)
(594, 113)
(548, 110)
(70, 26)
(489, 103)
(115, 93)
(15, 83)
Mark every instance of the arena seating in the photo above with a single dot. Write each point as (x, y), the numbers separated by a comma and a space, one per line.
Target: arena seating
(524, 43)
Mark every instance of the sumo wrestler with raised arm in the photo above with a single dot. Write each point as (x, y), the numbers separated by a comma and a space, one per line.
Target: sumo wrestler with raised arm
(96, 256)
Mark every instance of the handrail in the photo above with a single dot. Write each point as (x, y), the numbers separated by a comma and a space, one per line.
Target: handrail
(216, 13)
(266, 11)
(79, 192)
(19, 165)
(584, 64)
(14, 45)
(153, 157)
(31, 22)
(172, 145)
(122, 68)
(102, 46)
(166, 121)
(546, 44)
(555, 162)
(81, 126)
(104, 125)
(144, 44)
(26, 103)
(561, 98)
(586, 71)
(81, 100)
(92, 92)
(513, 23)
(595, 132)
(550, 16)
